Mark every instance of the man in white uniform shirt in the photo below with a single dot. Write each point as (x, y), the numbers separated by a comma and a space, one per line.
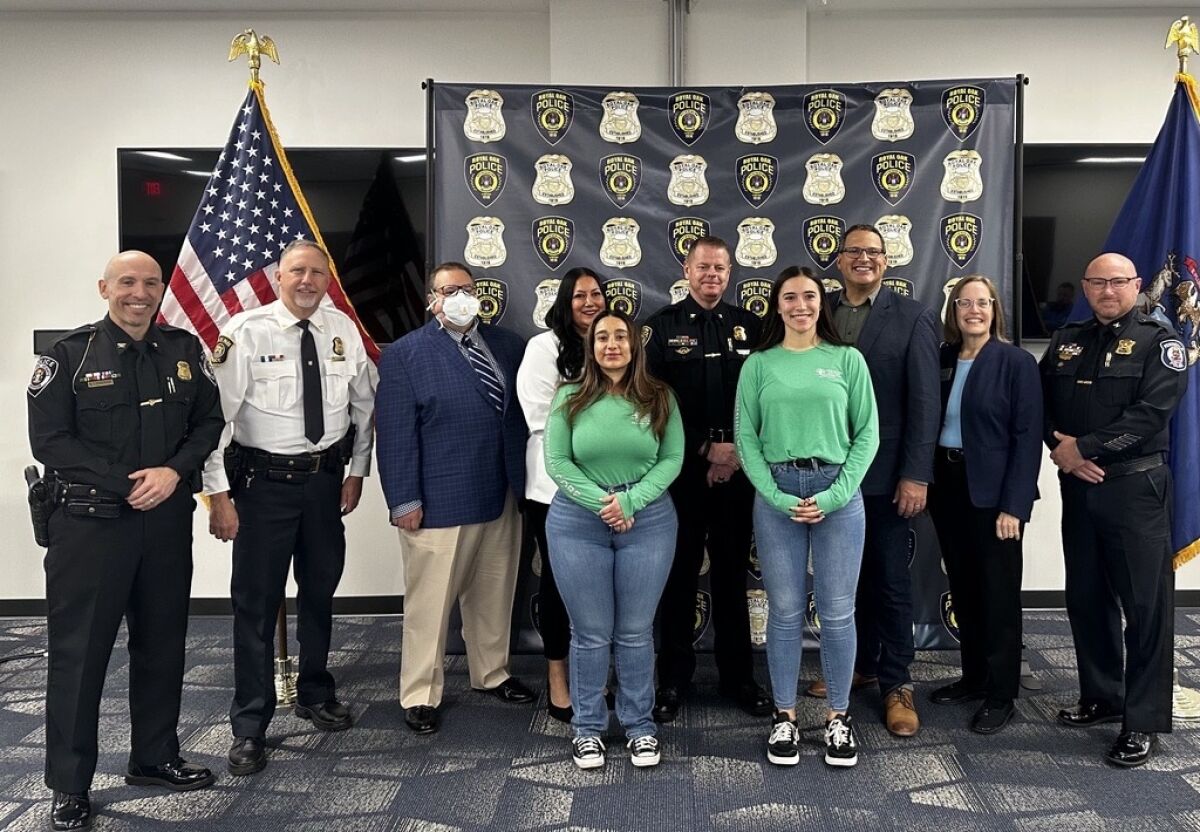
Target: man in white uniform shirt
(294, 377)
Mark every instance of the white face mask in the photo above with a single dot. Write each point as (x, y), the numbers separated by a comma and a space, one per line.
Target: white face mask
(460, 308)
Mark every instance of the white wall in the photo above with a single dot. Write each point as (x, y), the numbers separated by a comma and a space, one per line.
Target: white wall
(354, 80)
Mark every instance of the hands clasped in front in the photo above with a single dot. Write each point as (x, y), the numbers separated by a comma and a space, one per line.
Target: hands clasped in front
(614, 516)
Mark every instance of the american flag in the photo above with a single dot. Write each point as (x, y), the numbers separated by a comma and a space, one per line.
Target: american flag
(252, 207)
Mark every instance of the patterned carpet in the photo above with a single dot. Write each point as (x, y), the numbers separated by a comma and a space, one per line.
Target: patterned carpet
(501, 767)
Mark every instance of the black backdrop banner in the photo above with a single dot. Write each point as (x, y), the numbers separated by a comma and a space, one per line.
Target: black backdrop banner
(530, 181)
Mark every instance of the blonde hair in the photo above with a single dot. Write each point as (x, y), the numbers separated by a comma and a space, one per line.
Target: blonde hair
(950, 330)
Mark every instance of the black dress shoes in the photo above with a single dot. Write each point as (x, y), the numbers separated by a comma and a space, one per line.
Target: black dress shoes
(70, 811)
(328, 716)
(750, 697)
(563, 713)
(667, 701)
(247, 755)
(992, 716)
(512, 691)
(422, 719)
(1085, 714)
(955, 693)
(1132, 748)
(176, 775)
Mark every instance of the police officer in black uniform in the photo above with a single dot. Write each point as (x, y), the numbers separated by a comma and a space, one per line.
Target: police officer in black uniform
(698, 346)
(122, 413)
(1111, 385)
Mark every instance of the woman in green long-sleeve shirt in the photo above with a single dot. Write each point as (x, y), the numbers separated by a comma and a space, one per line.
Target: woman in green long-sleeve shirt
(613, 443)
(807, 430)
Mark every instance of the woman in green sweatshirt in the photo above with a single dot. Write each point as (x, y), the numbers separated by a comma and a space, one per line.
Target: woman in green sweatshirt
(613, 443)
(807, 430)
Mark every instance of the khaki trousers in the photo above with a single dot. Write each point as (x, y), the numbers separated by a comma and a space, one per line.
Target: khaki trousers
(477, 565)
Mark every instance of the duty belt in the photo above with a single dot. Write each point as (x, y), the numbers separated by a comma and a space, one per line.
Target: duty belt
(84, 500)
(284, 466)
(1133, 466)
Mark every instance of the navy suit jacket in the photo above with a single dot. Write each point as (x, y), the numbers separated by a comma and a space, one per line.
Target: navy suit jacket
(1001, 425)
(437, 436)
(900, 342)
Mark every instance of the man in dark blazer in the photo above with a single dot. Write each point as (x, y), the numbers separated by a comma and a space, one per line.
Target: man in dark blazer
(899, 339)
(451, 448)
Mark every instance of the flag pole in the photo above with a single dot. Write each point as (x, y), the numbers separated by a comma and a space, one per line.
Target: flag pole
(248, 43)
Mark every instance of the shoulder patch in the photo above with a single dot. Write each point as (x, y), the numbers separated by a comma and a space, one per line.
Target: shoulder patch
(206, 369)
(1174, 356)
(43, 373)
(647, 332)
(221, 350)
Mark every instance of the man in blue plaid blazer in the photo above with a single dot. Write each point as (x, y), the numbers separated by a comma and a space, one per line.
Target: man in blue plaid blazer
(450, 437)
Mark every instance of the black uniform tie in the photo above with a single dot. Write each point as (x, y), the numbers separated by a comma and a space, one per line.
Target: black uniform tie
(150, 407)
(714, 359)
(310, 376)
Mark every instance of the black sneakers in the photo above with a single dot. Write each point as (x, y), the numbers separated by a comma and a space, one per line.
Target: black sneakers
(783, 746)
(644, 752)
(587, 752)
(841, 749)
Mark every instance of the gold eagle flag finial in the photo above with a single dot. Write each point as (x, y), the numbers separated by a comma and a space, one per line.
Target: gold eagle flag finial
(1184, 34)
(249, 43)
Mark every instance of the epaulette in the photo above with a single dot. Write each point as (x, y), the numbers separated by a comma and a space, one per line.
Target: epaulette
(86, 329)
(1143, 318)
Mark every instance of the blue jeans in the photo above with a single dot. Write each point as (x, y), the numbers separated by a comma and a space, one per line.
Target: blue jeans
(783, 548)
(610, 584)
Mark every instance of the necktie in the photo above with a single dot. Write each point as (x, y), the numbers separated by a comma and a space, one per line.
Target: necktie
(310, 377)
(150, 407)
(714, 386)
(487, 375)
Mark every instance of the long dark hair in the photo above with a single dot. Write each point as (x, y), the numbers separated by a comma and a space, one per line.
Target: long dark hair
(773, 326)
(562, 322)
(651, 399)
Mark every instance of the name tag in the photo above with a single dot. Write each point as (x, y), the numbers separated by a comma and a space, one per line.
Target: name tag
(267, 359)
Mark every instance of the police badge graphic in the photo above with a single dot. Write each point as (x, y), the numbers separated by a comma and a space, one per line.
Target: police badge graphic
(688, 112)
(900, 285)
(683, 232)
(756, 243)
(553, 184)
(823, 238)
(757, 175)
(892, 174)
(831, 285)
(960, 235)
(620, 177)
(703, 615)
(623, 295)
(620, 248)
(810, 614)
(545, 293)
(893, 121)
(679, 290)
(756, 118)
(824, 183)
(620, 124)
(493, 298)
(947, 288)
(962, 109)
(962, 181)
(552, 240)
(485, 120)
(688, 185)
(486, 174)
(897, 244)
(754, 295)
(485, 242)
(824, 112)
(760, 612)
(949, 619)
(553, 111)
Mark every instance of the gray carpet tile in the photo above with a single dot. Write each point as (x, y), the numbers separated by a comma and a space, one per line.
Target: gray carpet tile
(501, 767)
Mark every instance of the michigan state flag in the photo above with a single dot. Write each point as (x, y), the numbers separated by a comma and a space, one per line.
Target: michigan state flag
(1159, 230)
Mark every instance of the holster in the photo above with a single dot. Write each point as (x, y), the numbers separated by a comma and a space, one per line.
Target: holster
(41, 503)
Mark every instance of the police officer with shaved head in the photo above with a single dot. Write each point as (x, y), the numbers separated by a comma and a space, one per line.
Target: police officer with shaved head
(1111, 385)
(122, 413)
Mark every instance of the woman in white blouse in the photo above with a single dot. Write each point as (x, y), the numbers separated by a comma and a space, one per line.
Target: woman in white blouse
(551, 358)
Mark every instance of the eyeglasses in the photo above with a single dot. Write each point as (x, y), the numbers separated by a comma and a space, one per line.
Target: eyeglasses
(855, 251)
(967, 303)
(1101, 282)
(451, 291)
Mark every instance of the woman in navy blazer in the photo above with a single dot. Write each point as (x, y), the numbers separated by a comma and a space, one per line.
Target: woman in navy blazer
(985, 482)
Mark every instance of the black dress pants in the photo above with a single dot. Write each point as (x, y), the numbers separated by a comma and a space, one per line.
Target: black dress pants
(985, 582)
(139, 566)
(1117, 547)
(553, 622)
(883, 609)
(719, 517)
(279, 521)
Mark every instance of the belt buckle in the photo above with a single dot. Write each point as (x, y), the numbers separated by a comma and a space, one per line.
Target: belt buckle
(315, 461)
(954, 454)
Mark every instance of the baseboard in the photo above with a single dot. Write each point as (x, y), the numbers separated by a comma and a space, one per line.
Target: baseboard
(1033, 599)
